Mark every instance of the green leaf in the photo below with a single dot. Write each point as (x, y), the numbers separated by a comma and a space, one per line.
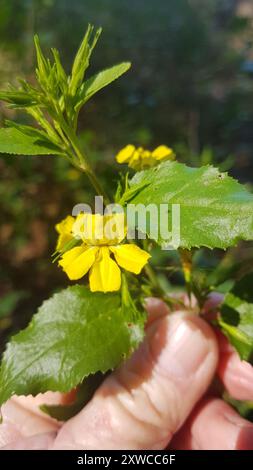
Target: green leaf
(99, 81)
(18, 98)
(43, 65)
(74, 334)
(61, 74)
(215, 210)
(83, 395)
(236, 318)
(29, 130)
(81, 61)
(14, 141)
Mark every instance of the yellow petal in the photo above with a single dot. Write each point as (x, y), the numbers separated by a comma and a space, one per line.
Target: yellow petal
(89, 228)
(96, 229)
(77, 262)
(63, 239)
(104, 275)
(125, 154)
(64, 228)
(114, 228)
(163, 152)
(135, 160)
(130, 257)
(147, 160)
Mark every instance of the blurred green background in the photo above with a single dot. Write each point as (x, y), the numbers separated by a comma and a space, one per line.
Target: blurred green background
(190, 87)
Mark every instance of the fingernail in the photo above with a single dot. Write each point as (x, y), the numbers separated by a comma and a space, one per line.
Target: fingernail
(180, 346)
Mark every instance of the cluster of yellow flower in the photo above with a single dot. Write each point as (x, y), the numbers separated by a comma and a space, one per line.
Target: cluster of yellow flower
(139, 158)
(97, 246)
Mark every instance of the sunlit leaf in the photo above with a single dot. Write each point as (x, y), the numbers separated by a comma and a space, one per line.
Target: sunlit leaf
(74, 334)
(99, 81)
(15, 142)
(214, 209)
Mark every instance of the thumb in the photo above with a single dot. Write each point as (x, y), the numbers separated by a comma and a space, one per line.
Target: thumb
(143, 403)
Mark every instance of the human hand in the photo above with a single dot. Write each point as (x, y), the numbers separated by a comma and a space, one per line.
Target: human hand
(160, 398)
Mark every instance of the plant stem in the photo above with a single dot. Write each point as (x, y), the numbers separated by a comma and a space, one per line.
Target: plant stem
(186, 260)
(83, 164)
(95, 183)
(150, 273)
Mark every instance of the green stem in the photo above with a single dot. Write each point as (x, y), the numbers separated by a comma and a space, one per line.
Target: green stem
(61, 134)
(151, 275)
(186, 260)
(83, 161)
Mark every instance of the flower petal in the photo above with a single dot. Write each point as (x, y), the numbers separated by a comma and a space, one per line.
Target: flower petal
(105, 275)
(125, 154)
(115, 228)
(135, 160)
(64, 228)
(162, 152)
(130, 257)
(77, 262)
(89, 228)
(97, 229)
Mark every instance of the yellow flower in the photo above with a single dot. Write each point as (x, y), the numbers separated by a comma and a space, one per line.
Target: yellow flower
(64, 228)
(139, 159)
(101, 252)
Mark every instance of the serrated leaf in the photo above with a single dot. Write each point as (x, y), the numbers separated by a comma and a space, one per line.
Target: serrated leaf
(99, 81)
(29, 130)
(74, 334)
(15, 142)
(236, 318)
(83, 395)
(215, 210)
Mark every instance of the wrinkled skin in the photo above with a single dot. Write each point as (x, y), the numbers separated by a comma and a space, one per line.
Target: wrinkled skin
(162, 397)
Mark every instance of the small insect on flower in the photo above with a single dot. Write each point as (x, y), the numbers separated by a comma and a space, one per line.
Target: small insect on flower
(139, 158)
(100, 251)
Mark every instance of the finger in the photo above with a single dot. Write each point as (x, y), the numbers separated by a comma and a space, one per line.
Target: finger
(22, 417)
(156, 309)
(146, 400)
(236, 375)
(214, 425)
(49, 398)
(39, 442)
